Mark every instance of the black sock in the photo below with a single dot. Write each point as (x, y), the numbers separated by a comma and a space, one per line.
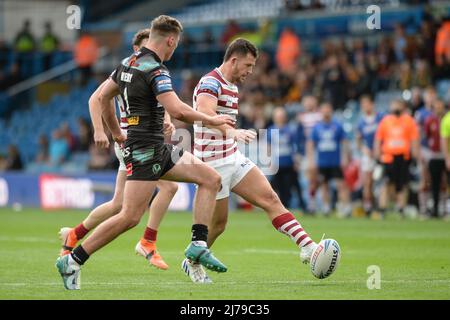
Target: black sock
(79, 255)
(199, 232)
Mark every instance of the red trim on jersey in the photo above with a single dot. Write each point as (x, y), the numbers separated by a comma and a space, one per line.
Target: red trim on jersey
(216, 75)
(222, 103)
(227, 92)
(209, 136)
(220, 155)
(208, 147)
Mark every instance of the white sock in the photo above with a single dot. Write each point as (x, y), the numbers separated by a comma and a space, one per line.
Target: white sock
(200, 243)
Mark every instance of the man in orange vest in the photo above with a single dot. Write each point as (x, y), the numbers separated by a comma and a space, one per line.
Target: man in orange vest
(396, 142)
(86, 54)
(442, 46)
(288, 50)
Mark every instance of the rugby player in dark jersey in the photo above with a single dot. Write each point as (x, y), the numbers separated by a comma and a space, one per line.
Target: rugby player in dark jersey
(145, 84)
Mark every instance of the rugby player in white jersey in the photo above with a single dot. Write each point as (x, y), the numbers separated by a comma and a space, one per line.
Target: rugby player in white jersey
(217, 93)
(167, 189)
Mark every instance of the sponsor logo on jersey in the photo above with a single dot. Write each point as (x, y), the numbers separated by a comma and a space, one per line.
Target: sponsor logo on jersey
(129, 169)
(156, 168)
(133, 121)
(126, 77)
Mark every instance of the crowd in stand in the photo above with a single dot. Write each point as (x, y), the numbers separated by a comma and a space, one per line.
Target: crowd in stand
(299, 94)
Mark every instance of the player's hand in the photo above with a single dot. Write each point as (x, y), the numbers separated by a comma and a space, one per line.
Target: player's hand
(101, 139)
(242, 135)
(168, 129)
(220, 120)
(120, 138)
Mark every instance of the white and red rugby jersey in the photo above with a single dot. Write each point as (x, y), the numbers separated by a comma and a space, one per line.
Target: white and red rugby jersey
(211, 145)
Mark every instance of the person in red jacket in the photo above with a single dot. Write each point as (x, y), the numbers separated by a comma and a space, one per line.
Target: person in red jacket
(436, 165)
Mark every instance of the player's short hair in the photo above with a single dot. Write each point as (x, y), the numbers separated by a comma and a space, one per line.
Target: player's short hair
(401, 102)
(140, 36)
(367, 96)
(165, 25)
(240, 47)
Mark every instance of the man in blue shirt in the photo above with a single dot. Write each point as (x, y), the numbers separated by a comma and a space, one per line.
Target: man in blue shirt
(365, 136)
(59, 148)
(290, 143)
(327, 142)
(429, 97)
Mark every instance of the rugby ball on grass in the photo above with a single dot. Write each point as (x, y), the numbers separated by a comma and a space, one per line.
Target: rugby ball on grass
(325, 259)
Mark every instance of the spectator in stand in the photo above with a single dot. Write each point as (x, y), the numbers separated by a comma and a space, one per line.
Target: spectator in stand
(5, 52)
(24, 45)
(422, 74)
(11, 77)
(288, 51)
(86, 53)
(231, 30)
(85, 134)
(59, 148)
(13, 161)
(334, 83)
(427, 42)
(416, 101)
(436, 164)
(43, 152)
(99, 158)
(442, 49)
(400, 43)
(49, 44)
(207, 40)
(68, 135)
(287, 150)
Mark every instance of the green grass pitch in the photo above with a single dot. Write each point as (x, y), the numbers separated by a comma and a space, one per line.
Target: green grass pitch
(414, 258)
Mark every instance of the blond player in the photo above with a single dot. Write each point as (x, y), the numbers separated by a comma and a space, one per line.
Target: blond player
(167, 189)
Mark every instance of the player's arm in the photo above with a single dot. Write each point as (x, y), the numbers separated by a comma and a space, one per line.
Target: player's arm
(207, 104)
(169, 128)
(109, 90)
(161, 83)
(181, 111)
(95, 110)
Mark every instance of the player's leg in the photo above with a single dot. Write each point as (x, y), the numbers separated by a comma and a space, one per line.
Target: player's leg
(136, 197)
(401, 184)
(324, 177)
(255, 188)
(70, 236)
(147, 244)
(313, 185)
(344, 206)
(190, 169)
(219, 220)
(436, 168)
(367, 167)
